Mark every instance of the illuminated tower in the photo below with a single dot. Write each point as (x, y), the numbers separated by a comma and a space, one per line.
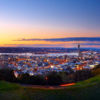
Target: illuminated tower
(79, 52)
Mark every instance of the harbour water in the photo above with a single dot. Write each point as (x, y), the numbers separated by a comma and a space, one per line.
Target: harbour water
(32, 54)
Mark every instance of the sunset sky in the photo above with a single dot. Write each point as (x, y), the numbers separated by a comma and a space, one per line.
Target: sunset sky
(27, 23)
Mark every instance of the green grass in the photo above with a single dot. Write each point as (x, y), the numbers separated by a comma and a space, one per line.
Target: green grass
(85, 90)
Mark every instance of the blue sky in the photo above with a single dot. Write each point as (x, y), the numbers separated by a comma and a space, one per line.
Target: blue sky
(83, 14)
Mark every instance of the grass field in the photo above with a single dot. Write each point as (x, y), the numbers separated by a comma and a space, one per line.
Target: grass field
(85, 90)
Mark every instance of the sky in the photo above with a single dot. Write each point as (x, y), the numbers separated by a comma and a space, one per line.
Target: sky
(30, 23)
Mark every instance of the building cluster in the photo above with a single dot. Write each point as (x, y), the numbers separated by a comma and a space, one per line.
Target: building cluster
(41, 65)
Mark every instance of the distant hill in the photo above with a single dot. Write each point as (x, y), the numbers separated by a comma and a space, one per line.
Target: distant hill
(42, 49)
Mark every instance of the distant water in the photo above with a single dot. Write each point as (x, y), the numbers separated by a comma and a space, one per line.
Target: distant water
(31, 54)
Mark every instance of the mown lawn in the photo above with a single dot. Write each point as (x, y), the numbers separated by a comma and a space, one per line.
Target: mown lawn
(85, 90)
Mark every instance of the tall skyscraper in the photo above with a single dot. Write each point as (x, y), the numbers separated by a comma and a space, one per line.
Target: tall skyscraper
(79, 52)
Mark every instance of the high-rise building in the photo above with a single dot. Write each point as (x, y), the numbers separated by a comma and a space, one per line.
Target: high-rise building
(79, 52)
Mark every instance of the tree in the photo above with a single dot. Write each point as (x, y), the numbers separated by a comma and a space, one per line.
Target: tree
(54, 78)
(7, 74)
(82, 75)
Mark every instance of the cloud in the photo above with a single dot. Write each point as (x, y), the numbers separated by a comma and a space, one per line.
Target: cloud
(66, 45)
(35, 45)
(92, 39)
(60, 42)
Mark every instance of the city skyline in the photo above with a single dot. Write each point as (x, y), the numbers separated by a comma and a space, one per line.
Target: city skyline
(45, 19)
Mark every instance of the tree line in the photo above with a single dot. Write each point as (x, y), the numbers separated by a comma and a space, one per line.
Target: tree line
(52, 78)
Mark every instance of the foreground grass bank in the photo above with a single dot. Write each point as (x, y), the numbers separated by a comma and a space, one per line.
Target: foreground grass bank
(85, 90)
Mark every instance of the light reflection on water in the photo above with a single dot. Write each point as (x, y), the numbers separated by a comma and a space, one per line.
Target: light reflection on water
(31, 54)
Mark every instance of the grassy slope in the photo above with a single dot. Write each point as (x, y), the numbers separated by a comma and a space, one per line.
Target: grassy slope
(86, 90)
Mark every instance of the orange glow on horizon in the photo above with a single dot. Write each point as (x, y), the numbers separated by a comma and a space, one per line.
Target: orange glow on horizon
(10, 31)
(14, 31)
